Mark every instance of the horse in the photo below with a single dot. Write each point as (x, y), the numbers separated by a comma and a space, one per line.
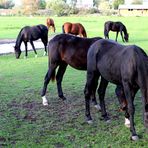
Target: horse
(64, 50)
(30, 34)
(116, 27)
(74, 28)
(50, 24)
(131, 73)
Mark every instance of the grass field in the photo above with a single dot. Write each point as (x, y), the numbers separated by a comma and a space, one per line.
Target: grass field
(24, 122)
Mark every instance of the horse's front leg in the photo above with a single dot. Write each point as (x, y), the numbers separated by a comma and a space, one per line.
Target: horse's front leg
(59, 77)
(93, 95)
(117, 35)
(122, 36)
(123, 103)
(88, 92)
(48, 76)
(26, 51)
(101, 92)
(131, 109)
(45, 40)
(31, 42)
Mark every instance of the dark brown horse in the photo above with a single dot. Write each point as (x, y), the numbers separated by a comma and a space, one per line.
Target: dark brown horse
(116, 27)
(131, 73)
(63, 50)
(74, 28)
(50, 24)
(30, 34)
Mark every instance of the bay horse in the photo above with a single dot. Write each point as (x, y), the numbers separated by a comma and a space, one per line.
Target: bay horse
(74, 28)
(116, 27)
(64, 50)
(50, 24)
(30, 34)
(131, 73)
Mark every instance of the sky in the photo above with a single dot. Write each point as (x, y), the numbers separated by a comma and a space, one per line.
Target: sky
(17, 2)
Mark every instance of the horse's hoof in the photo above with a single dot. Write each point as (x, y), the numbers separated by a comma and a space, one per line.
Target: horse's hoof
(127, 123)
(25, 57)
(97, 106)
(45, 102)
(62, 98)
(36, 56)
(108, 121)
(135, 138)
(89, 121)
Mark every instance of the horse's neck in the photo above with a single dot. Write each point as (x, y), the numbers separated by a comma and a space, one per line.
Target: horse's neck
(125, 30)
(19, 40)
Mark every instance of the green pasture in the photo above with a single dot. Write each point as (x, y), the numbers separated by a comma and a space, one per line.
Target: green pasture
(94, 25)
(25, 123)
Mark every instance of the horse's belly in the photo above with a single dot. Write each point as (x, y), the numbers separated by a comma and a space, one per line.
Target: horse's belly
(111, 74)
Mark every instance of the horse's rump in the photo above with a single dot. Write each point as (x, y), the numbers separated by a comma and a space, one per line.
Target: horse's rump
(74, 28)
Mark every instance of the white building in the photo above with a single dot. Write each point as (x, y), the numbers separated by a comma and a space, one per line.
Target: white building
(84, 4)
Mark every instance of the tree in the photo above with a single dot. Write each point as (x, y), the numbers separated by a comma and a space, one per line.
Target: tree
(6, 4)
(96, 3)
(59, 7)
(42, 4)
(137, 2)
(116, 3)
(30, 6)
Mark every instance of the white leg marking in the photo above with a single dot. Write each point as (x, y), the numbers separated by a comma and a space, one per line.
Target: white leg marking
(135, 138)
(36, 56)
(25, 57)
(90, 122)
(127, 122)
(44, 53)
(97, 106)
(44, 101)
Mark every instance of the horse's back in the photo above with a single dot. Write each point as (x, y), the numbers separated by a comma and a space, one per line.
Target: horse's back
(113, 60)
(71, 49)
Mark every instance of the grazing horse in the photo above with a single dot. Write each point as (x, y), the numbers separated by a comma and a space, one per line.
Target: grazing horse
(116, 27)
(131, 73)
(63, 50)
(30, 34)
(74, 28)
(50, 24)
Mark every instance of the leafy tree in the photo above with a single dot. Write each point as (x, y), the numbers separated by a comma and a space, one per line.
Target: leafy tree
(116, 3)
(59, 7)
(30, 6)
(96, 2)
(137, 2)
(42, 4)
(6, 4)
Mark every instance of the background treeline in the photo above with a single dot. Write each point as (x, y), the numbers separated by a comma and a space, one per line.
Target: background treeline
(61, 7)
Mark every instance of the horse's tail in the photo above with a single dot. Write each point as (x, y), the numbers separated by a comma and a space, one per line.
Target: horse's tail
(142, 70)
(63, 29)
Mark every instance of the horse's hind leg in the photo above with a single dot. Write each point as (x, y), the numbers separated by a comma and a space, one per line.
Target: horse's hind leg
(59, 77)
(131, 109)
(31, 42)
(48, 76)
(101, 92)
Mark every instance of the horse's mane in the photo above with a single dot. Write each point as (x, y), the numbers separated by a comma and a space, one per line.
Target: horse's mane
(18, 39)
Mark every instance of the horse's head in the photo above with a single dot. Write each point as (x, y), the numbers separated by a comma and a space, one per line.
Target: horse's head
(17, 52)
(146, 116)
(126, 36)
